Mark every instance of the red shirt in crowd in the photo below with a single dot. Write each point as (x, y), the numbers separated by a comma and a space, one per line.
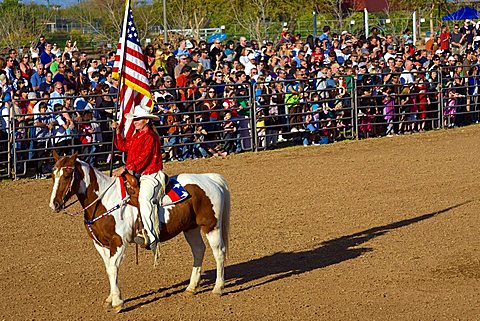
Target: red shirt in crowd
(445, 41)
(144, 151)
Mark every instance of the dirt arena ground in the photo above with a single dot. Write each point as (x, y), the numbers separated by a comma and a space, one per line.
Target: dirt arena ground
(383, 229)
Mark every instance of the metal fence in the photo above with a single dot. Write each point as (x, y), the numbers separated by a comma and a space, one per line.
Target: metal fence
(220, 119)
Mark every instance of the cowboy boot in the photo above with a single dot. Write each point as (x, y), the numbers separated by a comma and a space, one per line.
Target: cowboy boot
(142, 238)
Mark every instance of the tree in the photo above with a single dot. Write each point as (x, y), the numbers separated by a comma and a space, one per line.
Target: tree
(336, 7)
(191, 14)
(21, 22)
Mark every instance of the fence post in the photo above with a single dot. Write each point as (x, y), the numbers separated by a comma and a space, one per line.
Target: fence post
(440, 100)
(253, 116)
(12, 144)
(355, 108)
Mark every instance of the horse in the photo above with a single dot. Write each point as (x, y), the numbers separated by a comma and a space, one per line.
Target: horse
(110, 221)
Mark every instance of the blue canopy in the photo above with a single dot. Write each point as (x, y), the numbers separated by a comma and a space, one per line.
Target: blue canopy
(462, 14)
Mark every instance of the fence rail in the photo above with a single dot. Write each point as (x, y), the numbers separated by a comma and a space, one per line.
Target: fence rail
(221, 119)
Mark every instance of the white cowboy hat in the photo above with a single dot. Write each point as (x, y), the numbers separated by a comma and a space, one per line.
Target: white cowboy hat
(140, 111)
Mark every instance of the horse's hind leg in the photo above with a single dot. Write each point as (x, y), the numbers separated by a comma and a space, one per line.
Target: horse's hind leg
(215, 240)
(194, 238)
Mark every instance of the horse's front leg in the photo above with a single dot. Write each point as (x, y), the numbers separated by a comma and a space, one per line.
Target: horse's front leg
(112, 264)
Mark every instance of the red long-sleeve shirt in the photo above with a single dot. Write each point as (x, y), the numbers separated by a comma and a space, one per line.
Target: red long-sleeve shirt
(144, 151)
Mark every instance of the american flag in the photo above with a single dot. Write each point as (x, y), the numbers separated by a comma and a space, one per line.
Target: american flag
(134, 85)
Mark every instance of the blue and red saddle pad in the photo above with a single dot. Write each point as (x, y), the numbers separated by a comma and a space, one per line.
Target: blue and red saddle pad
(174, 193)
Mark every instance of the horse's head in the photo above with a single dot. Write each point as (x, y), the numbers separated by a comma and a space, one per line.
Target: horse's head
(64, 176)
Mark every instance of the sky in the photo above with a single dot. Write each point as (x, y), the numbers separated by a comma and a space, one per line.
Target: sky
(63, 3)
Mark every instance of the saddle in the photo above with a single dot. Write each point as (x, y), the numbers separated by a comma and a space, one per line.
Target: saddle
(132, 187)
(173, 191)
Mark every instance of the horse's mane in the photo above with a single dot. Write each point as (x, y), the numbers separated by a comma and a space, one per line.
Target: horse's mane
(97, 172)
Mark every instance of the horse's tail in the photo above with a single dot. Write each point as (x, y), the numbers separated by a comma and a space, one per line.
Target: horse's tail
(224, 216)
(226, 220)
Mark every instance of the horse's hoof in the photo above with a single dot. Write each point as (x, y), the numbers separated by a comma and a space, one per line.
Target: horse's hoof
(118, 308)
(190, 291)
(218, 292)
(107, 305)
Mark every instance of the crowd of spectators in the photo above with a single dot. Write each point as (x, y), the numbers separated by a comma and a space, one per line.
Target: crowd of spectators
(303, 91)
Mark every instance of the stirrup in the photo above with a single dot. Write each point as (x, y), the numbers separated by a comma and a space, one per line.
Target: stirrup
(141, 239)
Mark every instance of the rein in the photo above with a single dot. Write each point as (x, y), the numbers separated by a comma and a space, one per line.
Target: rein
(70, 189)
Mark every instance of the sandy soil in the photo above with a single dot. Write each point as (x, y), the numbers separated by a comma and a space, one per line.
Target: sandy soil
(382, 229)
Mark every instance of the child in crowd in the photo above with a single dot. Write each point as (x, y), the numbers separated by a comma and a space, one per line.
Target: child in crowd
(187, 137)
(86, 131)
(405, 103)
(199, 140)
(389, 110)
(261, 129)
(451, 108)
(230, 133)
(43, 123)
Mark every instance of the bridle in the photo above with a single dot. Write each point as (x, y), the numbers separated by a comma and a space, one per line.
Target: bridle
(88, 222)
(66, 195)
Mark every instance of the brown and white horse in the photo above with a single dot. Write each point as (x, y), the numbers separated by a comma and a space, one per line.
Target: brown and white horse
(207, 209)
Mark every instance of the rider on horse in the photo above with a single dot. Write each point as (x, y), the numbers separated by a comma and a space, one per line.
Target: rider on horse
(145, 159)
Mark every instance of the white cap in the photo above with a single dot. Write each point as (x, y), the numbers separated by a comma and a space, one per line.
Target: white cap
(141, 112)
(451, 58)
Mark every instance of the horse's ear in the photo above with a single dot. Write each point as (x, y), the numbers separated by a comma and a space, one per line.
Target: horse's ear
(56, 157)
(74, 157)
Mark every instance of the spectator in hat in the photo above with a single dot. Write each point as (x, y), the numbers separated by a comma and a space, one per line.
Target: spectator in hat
(390, 52)
(182, 61)
(249, 64)
(182, 81)
(56, 50)
(197, 67)
(59, 76)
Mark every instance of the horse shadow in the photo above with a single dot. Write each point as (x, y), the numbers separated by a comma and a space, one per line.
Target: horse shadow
(257, 272)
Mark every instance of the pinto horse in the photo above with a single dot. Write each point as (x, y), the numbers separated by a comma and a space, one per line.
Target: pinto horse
(110, 221)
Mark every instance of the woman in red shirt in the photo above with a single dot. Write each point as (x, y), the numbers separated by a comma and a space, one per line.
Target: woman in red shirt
(145, 159)
(445, 40)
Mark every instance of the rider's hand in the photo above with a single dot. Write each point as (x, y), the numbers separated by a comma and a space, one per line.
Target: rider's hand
(119, 171)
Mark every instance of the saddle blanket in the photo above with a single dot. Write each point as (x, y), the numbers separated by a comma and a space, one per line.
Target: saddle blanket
(175, 193)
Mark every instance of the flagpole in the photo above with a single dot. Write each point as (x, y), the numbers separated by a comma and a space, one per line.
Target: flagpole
(120, 80)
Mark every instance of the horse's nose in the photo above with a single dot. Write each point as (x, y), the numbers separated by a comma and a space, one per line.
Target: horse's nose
(56, 207)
